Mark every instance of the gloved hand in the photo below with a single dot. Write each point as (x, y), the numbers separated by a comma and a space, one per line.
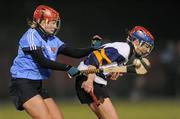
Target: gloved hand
(72, 71)
(96, 42)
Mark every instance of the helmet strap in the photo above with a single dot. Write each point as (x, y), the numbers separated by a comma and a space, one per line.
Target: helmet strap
(42, 30)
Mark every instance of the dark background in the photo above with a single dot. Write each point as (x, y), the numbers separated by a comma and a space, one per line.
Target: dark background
(111, 19)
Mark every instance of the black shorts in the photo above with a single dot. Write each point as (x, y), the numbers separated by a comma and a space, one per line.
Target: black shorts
(21, 90)
(99, 90)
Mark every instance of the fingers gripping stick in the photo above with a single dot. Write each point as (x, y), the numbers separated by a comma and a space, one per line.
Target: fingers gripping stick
(90, 71)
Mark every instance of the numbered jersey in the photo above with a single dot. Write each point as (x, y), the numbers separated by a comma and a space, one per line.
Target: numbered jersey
(24, 66)
(116, 53)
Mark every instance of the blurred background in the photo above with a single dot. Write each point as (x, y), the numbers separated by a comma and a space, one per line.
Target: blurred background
(80, 20)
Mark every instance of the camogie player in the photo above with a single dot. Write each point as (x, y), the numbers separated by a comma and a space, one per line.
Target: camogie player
(36, 58)
(139, 44)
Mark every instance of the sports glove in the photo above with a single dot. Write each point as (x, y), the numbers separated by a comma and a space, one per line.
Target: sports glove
(72, 71)
(96, 42)
(142, 67)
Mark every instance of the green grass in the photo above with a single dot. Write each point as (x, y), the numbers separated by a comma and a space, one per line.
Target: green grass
(157, 109)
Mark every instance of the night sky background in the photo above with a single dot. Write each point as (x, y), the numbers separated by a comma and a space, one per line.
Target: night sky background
(81, 20)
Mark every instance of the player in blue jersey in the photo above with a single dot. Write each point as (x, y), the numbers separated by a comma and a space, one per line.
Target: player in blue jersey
(36, 58)
(139, 43)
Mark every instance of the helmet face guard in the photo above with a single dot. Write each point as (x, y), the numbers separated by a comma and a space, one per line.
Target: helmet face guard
(58, 26)
(143, 35)
(47, 13)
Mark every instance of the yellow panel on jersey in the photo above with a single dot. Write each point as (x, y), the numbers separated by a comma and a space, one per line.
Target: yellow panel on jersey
(100, 55)
(105, 56)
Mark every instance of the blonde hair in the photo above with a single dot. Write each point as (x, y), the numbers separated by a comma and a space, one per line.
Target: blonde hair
(32, 23)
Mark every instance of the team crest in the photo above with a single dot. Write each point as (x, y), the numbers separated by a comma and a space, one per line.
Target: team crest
(53, 49)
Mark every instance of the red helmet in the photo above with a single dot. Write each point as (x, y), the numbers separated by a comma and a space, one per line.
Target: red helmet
(47, 13)
(43, 12)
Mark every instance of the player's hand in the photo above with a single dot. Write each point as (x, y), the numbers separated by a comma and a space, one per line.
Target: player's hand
(87, 86)
(115, 75)
(96, 42)
(72, 71)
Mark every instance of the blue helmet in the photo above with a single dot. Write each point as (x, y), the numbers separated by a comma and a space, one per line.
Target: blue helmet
(142, 34)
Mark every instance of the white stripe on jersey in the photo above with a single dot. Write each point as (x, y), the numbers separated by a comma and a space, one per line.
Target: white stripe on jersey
(31, 40)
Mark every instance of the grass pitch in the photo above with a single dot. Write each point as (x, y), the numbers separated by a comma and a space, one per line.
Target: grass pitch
(156, 109)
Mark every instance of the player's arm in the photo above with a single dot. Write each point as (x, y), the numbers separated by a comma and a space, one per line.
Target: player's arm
(38, 56)
(96, 43)
(74, 52)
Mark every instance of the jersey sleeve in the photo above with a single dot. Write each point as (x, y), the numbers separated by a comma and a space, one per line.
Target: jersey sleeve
(117, 51)
(91, 60)
(30, 41)
(59, 42)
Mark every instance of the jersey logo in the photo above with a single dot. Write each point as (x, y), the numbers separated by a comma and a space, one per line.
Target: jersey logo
(53, 49)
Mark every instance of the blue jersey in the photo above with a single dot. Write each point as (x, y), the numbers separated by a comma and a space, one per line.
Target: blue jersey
(24, 66)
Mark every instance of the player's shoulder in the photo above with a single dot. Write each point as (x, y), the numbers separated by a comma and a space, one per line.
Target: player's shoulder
(30, 33)
(118, 45)
(56, 39)
(123, 48)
